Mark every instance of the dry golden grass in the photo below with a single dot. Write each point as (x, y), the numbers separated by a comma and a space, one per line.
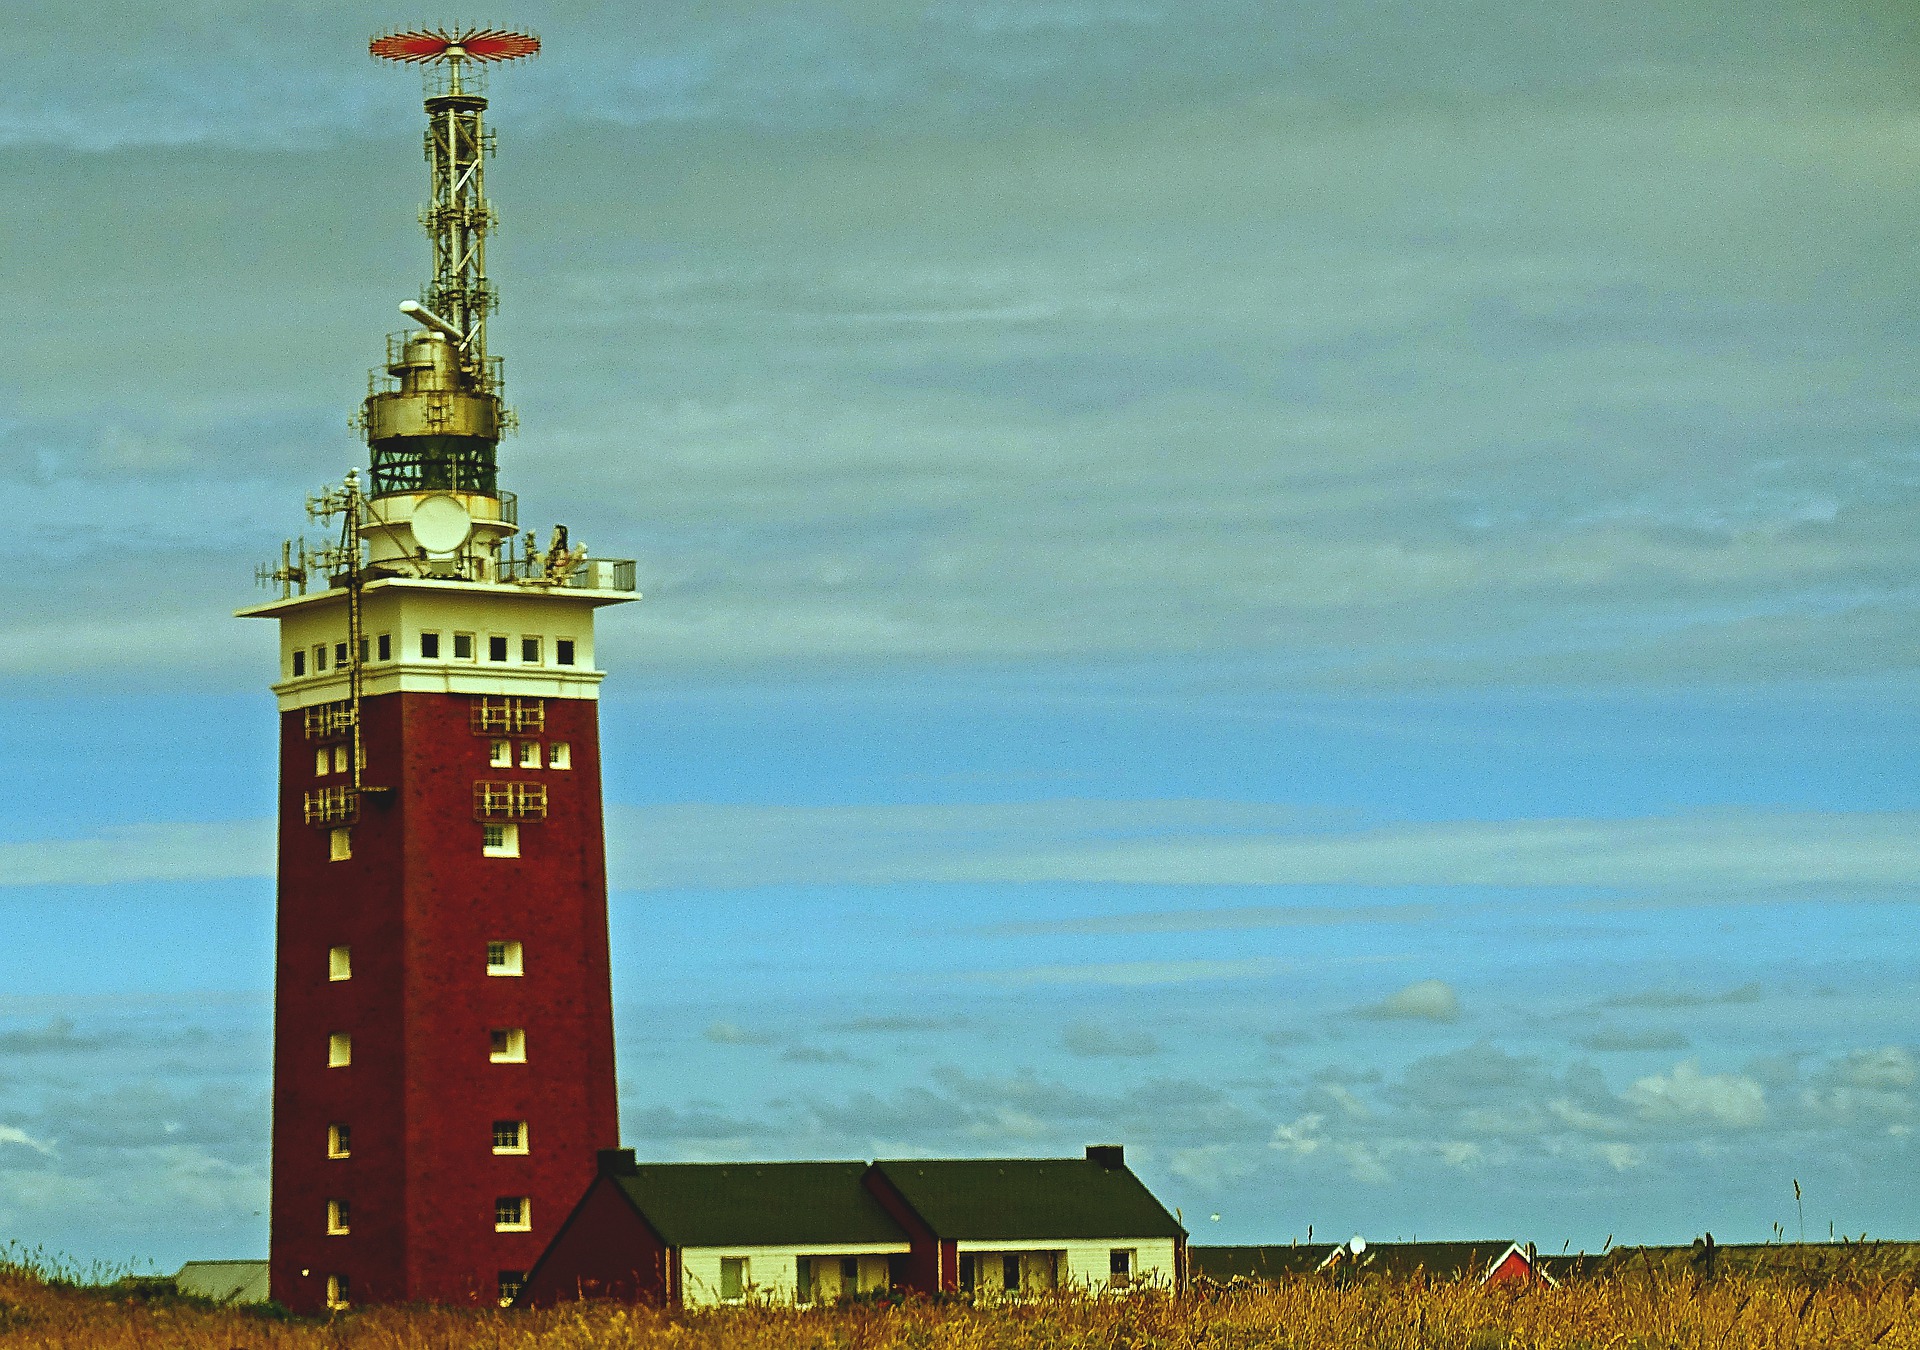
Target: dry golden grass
(1624, 1312)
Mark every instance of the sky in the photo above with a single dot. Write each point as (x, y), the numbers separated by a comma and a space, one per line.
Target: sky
(1322, 590)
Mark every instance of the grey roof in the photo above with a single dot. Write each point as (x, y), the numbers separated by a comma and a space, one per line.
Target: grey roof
(792, 1204)
(1029, 1199)
(224, 1281)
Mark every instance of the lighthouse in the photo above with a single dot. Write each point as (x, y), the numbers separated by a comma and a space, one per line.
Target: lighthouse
(443, 1024)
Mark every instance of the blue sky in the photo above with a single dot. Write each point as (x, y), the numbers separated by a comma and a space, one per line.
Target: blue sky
(1321, 590)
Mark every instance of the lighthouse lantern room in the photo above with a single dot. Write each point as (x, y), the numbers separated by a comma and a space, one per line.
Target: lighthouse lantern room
(443, 1024)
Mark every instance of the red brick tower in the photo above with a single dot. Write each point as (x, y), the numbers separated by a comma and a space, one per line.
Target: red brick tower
(443, 1030)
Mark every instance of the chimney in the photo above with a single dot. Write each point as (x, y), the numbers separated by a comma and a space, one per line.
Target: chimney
(1112, 1157)
(617, 1162)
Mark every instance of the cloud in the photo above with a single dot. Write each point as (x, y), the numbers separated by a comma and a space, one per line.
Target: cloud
(187, 851)
(1091, 1041)
(1685, 1096)
(12, 1134)
(1424, 1001)
(1613, 1039)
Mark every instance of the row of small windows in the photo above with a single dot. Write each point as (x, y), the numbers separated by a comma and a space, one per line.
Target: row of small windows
(496, 840)
(500, 755)
(340, 1289)
(505, 1045)
(509, 1137)
(533, 650)
(504, 957)
(511, 1214)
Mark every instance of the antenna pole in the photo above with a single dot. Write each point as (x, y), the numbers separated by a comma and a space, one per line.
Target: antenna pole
(458, 215)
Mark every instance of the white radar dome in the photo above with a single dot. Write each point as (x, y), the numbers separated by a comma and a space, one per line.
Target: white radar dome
(440, 524)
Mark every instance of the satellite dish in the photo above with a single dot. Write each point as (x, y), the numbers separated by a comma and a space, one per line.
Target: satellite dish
(1358, 1245)
(440, 524)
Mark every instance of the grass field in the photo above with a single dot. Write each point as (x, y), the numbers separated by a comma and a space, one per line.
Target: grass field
(1622, 1311)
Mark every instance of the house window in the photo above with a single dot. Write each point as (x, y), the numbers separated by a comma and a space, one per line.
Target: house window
(509, 1136)
(530, 651)
(384, 644)
(463, 646)
(529, 754)
(512, 1214)
(1120, 1267)
(803, 1279)
(338, 1292)
(1010, 1272)
(508, 1046)
(563, 651)
(500, 841)
(511, 1283)
(559, 755)
(503, 958)
(339, 844)
(733, 1278)
(849, 1276)
(500, 755)
(319, 659)
(339, 1218)
(429, 646)
(339, 963)
(299, 663)
(322, 762)
(339, 653)
(341, 755)
(339, 1141)
(339, 1050)
(966, 1273)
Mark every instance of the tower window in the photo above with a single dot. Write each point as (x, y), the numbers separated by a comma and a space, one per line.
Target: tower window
(339, 963)
(384, 645)
(429, 646)
(500, 756)
(511, 1283)
(340, 758)
(339, 1218)
(563, 651)
(530, 650)
(363, 651)
(529, 754)
(322, 762)
(496, 648)
(559, 755)
(508, 1045)
(339, 1050)
(299, 663)
(463, 646)
(339, 1141)
(509, 1136)
(503, 958)
(337, 1291)
(500, 841)
(339, 653)
(733, 1278)
(319, 658)
(512, 1214)
(339, 844)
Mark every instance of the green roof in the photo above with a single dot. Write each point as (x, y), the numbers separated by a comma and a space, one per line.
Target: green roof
(1029, 1199)
(758, 1204)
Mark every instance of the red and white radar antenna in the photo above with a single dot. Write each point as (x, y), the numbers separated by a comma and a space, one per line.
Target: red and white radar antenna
(468, 44)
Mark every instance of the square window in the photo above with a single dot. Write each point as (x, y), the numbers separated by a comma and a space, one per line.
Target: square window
(511, 1283)
(322, 762)
(339, 653)
(339, 963)
(463, 646)
(341, 759)
(512, 1214)
(339, 1141)
(530, 650)
(563, 651)
(508, 1045)
(339, 1050)
(429, 646)
(509, 1136)
(339, 844)
(733, 1278)
(500, 755)
(339, 1218)
(384, 645)
(560, 755)
(299, 663)
(503, 958)
(500, 841)
(319, 658)
(529, 754)
(337, 1291)
(496, 648)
